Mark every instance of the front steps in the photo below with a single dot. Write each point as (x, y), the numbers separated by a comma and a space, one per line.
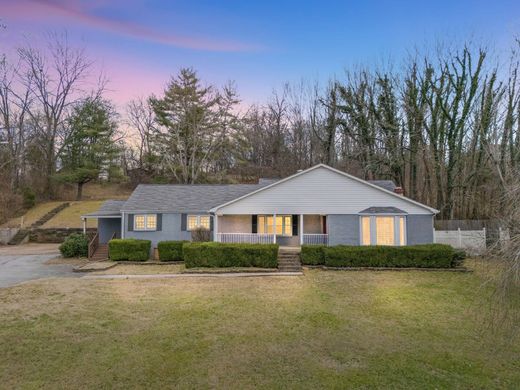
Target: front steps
(101, 253)
(289, 260)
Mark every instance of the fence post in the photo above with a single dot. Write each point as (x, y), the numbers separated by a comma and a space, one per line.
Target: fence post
(460, 238)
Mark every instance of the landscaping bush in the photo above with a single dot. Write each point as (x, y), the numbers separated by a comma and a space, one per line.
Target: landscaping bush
(216, 254)
(312, 255)
(459, 255)
(170, 250)
(129, 249)
(422, 256)
(201, 234)
(75, 245)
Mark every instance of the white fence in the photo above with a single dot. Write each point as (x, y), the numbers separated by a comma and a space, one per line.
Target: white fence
(315, 239)
(245, 238)
(474, 241)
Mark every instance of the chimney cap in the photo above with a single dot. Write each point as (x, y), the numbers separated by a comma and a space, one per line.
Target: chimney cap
(399, 190)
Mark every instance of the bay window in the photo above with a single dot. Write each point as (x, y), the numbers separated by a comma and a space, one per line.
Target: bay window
(383, 230)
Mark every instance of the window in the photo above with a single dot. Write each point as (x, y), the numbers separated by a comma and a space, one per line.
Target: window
(198, 221)
(383, 230)
(401, 231)
(283, 225)
(145, 222)
(365, 232)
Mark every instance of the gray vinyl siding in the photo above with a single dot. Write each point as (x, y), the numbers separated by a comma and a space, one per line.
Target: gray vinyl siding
(419, 229)
(171, 230)
(343, 229)
(320, 191)
(107, 227)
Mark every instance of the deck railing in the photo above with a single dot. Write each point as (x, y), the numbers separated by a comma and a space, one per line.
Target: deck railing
(315, 239)
(93, 245)
(245, 238)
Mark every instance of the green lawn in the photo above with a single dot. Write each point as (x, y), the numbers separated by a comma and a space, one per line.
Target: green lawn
(331, 329)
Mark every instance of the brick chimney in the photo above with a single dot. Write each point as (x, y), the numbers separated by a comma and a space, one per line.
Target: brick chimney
(399, 190)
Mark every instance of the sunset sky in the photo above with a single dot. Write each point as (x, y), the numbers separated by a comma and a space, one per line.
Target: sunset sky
(258, 44)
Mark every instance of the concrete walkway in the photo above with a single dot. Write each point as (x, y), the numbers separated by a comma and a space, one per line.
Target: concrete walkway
(22, 263)
(195, 275)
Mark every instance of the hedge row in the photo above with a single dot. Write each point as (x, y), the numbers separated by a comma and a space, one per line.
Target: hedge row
(129, 249)
(170, 250)
(421, 256)
(215, 254)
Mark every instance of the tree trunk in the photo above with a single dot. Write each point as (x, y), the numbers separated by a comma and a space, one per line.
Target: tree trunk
(79, 194)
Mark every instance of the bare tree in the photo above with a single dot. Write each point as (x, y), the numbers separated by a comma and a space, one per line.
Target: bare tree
(54, 76)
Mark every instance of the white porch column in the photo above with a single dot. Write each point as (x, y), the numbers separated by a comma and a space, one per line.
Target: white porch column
(301, 229)
(215, 228)
(84, 225)
(274, 228)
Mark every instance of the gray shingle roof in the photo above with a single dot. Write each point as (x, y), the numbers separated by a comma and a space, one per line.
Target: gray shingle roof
(386, 184)
(185, 198)
(109, 207)
(382, 210)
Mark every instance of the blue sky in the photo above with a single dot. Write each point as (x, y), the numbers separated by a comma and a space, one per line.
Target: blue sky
(259, 45)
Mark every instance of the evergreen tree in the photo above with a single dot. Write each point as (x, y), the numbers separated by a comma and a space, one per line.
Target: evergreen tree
(89, 149)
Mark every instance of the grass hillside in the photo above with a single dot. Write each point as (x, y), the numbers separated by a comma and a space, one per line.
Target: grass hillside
(94, 194)
(32, 215)
(70, 217)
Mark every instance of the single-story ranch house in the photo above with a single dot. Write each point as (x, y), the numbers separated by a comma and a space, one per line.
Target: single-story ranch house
(320, 205)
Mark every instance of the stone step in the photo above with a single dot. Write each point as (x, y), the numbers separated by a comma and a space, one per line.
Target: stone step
(290, 269)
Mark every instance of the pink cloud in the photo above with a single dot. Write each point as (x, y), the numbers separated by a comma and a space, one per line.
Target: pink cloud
(78, 11)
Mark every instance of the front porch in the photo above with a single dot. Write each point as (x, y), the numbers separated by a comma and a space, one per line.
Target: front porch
(285, 230)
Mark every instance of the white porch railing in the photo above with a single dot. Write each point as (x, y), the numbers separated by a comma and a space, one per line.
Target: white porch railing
(315, 239)
(245, 238)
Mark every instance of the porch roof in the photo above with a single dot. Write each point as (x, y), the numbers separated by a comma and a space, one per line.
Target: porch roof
(109, 209)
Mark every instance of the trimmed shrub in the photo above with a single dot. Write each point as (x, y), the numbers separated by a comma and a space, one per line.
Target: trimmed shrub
(75, 245)
(129, 249)
(422, 256)
(216, 254)
(313, 254)
(170, 250)
(459, 255)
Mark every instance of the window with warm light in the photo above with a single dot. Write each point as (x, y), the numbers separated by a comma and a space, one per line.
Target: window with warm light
(365, 232)
(145, 222)
(383, 230)
(283, 225)
(199, 221)
(385, 234)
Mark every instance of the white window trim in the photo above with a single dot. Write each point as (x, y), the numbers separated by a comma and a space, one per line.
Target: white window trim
(198, 222)
(373, 234)
(146, 228)
(274, 222)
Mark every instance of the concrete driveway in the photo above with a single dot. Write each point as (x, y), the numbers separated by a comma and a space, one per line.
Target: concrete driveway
(27, 262)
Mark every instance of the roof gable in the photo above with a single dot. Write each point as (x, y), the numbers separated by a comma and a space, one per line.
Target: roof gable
(320, 190)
